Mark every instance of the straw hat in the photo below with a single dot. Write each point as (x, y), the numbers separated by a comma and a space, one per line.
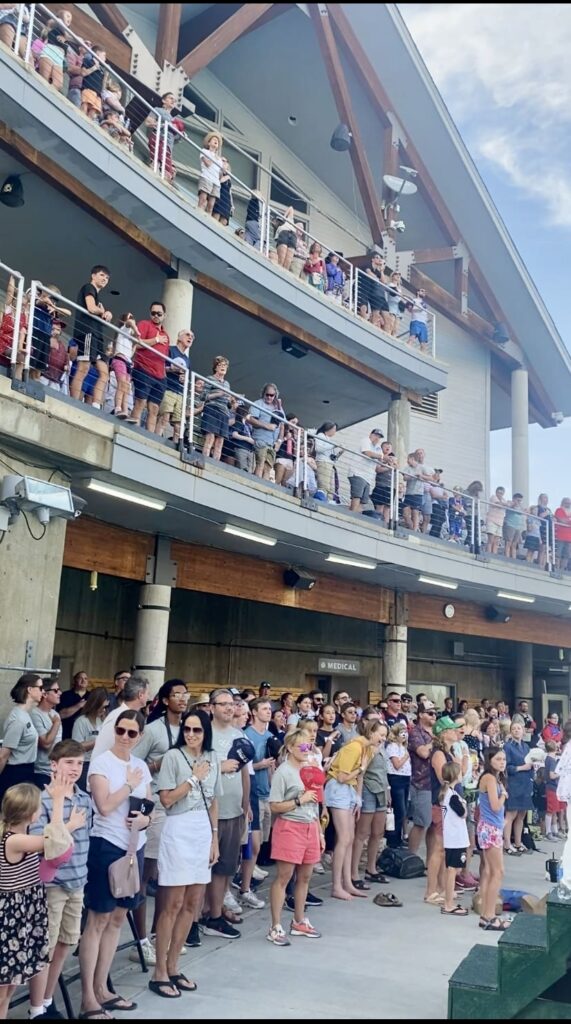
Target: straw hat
(213, 135)
(203, 698)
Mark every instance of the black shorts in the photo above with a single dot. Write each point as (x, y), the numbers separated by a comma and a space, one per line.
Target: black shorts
(413, 501)
(531, 543)
(91, 346)
(151, 389)
(98, 895)
(230, 832)
(288, 238)
(455, 858)
(381, 495)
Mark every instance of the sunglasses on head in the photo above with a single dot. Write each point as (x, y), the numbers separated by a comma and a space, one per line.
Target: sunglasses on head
(196, 729)
(122, 731)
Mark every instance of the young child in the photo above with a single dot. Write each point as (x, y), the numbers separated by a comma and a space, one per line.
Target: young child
(490, 833)
(64, 891)
(335, 281)
(456, 520)
(23, 905)
(210, 171)
(456, 838)
(112, 124)
(418, 329)
(555, 819)
(224, 206)
(112, 96)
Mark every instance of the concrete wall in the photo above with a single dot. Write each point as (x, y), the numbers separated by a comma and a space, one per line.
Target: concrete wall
(29, 589)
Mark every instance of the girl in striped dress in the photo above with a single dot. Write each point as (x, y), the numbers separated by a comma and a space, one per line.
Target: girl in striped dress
(23, 905)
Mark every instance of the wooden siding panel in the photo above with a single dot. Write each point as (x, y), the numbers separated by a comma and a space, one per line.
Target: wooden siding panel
(426, 612)
(93, 545)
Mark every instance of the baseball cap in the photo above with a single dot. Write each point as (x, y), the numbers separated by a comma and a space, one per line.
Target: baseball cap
(235, 693)
(47, 869)
(378, 432)
(442, 724)
(426, 705)
(313, 778)
(241, 750)
(265, 686)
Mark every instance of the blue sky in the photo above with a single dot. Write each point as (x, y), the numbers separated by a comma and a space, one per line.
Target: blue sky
(505, 75)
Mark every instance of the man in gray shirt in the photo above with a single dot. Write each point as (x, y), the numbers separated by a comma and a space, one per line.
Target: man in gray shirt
(49, 729)
(264, 418)
(233, 808)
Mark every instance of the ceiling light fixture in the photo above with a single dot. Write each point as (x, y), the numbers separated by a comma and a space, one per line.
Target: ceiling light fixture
(258, 538)
(434, 582)
(119, 492)
(358, 563)
(515, 597)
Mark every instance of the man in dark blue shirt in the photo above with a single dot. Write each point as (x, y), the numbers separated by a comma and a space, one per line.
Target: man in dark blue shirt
(171, 410)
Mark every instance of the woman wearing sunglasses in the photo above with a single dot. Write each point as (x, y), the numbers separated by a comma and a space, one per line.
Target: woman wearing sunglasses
(114, 777)
(297, 840)
(188, 785)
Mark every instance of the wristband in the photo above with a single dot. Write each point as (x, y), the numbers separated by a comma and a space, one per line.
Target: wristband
(215, 830)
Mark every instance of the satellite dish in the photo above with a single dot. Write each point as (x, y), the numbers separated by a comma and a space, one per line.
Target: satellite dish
(399, 185)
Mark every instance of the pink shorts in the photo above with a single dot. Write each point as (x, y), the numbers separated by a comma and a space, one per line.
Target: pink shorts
(296, 842)
(121, 368)
(489, 836)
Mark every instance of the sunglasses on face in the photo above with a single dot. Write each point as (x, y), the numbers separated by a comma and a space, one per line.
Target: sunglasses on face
(196, 729)
(431, 714)
(304, 747)
(131, 733)
(157, 312)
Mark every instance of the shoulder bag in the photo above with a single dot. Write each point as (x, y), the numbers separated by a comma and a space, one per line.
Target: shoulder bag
(124, 880)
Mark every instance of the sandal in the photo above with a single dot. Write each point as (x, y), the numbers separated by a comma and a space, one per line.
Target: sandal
(188, 986)
(523, 849)
(387, 899)
(358, 884)
(158, 987)
(512, 852)
(495, 924)
(376, 877)
(435, 899)
(114, 1004)
(457, 912)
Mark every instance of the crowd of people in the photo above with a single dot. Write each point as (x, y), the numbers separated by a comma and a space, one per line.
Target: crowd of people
(108, 797)
(78, 68)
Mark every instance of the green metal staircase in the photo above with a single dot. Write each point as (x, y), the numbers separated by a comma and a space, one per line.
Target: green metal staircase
(524, 977)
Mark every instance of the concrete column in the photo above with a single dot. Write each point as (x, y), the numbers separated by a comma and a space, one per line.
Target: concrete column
(520, 427)
(395, 658)
(30, 573)
(151, 633)
(523, 689)
(399, 428)
(177, 297)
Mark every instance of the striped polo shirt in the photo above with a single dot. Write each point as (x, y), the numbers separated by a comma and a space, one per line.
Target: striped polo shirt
(72, 874)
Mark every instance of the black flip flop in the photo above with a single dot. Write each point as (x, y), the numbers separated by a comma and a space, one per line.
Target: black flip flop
(113, 1004)
(158, 988)
(376, 877)
(457, 912)
(358, 884)
(188, 986)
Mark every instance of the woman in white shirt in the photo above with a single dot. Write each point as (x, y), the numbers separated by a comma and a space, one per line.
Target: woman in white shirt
(325, 453)
(87, 726)
(399, 772)
(114, 778)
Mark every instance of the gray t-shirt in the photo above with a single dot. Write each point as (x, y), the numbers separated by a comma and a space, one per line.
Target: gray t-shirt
(286, 785)
(376, 778)
(43, 722)
(412, 476)
(20, 736)
(157, 738)
(176, 769)
(84, 730)
(230, 801)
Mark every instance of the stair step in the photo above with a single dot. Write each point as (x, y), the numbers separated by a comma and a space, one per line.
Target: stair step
(478, 970)
(525, 932)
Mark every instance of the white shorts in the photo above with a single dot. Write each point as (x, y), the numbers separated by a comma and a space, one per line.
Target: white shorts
(184, 849)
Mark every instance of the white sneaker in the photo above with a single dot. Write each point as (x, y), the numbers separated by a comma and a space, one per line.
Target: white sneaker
(318, 868)
(149, 954)
(259, 874)
(231, 903)
(249, 899)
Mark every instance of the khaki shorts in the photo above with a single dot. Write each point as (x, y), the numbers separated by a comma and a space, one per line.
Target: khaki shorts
(265, 456)
(171, 405)
(265, 819)
(64, 915)
(209, 187)
(154, 831)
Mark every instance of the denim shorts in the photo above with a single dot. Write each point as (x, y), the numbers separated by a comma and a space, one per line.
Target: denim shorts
(340, 795)
(373, 801)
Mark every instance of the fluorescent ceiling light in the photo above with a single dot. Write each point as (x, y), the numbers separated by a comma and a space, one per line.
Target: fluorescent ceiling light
(515, 597)
(132, 496)
(359, 563)
(447, 584)
(258, 538)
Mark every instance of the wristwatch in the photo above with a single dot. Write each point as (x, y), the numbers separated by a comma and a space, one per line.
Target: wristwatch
(297, 801)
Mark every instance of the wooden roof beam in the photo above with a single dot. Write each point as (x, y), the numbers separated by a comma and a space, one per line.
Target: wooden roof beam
(371, 201)
(111, 17)
(168, 30)
(222, 37)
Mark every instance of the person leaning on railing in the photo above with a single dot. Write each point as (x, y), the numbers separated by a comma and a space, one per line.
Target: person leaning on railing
(156, 135)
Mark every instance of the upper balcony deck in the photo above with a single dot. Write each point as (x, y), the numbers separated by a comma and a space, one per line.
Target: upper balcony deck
(219, 261)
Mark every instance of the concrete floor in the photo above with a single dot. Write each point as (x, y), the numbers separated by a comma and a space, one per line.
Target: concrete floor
(371, 962)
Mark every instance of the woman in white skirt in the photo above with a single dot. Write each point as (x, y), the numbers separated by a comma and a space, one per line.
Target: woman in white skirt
(188, 784)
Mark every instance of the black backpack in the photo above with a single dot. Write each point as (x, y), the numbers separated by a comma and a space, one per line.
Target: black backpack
(400, 864)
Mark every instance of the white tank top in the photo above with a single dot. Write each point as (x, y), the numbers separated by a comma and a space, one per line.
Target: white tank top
(454, 827)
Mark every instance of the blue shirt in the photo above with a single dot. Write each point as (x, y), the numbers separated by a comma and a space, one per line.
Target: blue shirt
(183, 363)
(264, 413)
(73, 874)
(262, 775)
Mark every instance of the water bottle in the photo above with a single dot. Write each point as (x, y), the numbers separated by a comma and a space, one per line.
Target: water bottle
(553, 869)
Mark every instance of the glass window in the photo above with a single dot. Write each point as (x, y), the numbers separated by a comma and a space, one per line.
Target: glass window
(203, 107)
(285, 194)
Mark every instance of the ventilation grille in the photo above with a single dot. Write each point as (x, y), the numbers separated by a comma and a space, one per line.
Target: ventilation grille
(428, 406)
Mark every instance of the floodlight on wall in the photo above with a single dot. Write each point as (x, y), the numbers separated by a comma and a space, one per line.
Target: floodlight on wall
(12, 191)
(299, 579)
(494, 614)
(341, 139)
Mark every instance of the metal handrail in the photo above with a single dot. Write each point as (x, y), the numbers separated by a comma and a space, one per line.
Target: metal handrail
(547, 522)
(19, 296)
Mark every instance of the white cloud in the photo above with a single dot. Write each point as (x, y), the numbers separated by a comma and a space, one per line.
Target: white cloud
(505, 73)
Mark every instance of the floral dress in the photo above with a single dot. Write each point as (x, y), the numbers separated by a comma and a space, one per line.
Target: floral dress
(23, 918)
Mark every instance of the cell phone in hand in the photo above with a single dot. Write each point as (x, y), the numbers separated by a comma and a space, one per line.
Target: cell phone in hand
(141, 805)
